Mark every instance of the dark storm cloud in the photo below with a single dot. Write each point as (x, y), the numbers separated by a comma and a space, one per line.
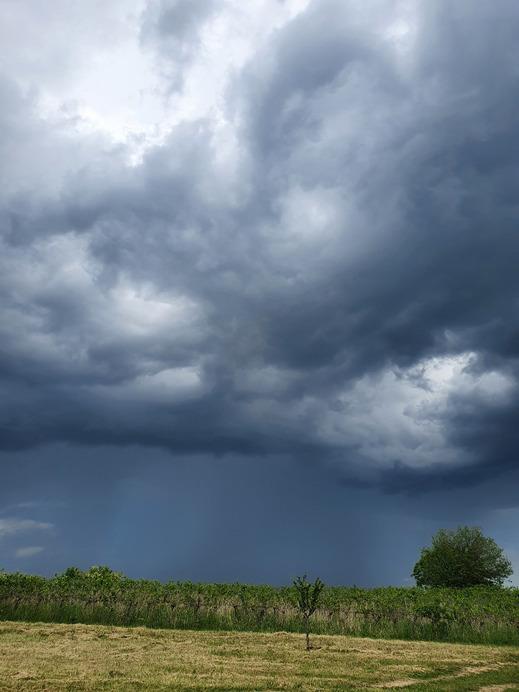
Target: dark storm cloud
(289, 296)
(433, 242)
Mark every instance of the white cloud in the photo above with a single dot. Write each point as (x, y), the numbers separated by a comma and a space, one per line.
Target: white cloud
(29, 551)
(400, 415)
(11, 526)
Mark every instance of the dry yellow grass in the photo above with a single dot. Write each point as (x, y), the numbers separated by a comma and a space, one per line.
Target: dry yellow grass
(59, 658)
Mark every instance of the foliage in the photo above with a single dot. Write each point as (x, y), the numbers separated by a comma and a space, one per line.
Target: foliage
(462, 558)
(308, 597)
(479, 614)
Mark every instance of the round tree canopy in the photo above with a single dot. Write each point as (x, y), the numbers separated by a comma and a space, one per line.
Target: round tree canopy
(462, 558)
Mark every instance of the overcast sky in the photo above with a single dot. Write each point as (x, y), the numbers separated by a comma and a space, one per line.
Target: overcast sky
(259, 287)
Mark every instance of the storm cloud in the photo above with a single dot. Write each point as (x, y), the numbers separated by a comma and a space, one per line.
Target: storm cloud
(289, 238)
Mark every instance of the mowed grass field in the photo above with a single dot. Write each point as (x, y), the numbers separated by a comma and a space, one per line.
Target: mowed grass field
(56, 658)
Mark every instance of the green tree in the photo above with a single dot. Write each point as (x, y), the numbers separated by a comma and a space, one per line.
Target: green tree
(462, 558)
(308, 597)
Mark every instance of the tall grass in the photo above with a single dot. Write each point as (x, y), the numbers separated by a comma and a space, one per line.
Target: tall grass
(487, 615)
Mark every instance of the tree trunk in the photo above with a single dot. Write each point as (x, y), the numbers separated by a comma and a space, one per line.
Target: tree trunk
(307, 634)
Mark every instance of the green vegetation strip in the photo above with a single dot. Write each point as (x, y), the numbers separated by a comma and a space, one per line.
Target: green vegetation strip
(479, 615)
(59, 658)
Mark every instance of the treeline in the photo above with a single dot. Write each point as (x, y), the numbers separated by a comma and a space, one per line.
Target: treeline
(102, 596)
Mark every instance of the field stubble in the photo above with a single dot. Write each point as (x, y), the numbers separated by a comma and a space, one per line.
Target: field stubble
(88, 658)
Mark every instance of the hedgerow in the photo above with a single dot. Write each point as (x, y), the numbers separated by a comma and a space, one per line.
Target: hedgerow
(102, 596)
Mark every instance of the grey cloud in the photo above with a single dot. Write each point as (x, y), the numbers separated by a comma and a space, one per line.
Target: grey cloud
(283, 89)
(172, 28)
(177, 18)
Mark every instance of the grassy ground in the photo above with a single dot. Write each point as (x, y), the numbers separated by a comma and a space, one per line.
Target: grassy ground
(62, 658)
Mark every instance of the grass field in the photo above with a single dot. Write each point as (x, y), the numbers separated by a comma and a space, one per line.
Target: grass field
(59, 658)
